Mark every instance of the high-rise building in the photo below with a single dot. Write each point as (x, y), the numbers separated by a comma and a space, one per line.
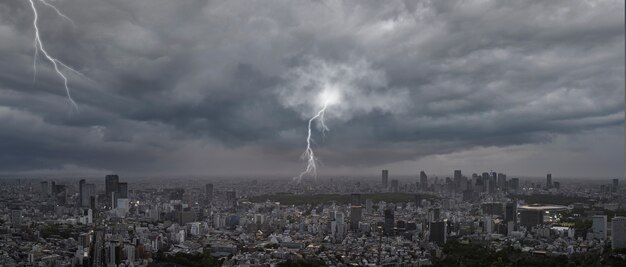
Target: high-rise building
(438, 232)
(355, 199)
(389, 221)
(510, 213)
(122, 189)
(549, 181)
(87, 192)
(618, 233)
(502, 181)
(385, 178)
(394, 185)
(423, 180)
(111, 186)
(530, 218)
(599, 226)
(356, 213)
(45, 190)
(615, 185)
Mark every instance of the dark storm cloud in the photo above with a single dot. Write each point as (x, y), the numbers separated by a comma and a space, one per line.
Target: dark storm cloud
(172, 81)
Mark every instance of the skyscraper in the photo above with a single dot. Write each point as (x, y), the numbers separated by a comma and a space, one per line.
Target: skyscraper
(394, 185)
(110, 186)
(615, 185)
(549, 181)
(389, 221)
(385, 177)
(438, 232)
(356, 213)
(423, 180)
(599, 226)
(122, 189)
(618, 232)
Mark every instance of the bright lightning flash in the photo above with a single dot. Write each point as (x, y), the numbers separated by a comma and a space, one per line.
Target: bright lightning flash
(39, 47)
(328, 97)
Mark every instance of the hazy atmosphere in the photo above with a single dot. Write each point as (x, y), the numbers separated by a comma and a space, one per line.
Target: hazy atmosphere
(227, 87)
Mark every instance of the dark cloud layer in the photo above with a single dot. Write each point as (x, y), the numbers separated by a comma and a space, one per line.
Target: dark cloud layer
(195, 86)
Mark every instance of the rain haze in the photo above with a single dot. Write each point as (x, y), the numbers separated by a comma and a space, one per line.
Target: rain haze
(227, 87)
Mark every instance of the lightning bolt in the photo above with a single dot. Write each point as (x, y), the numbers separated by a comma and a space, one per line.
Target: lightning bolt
(308, 155)
(39, 47)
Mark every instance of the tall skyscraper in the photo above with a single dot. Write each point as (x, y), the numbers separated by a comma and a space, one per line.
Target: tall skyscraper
(110, 186)
(122, 189)
(88, 192)
(502, 181)
(389, 221)
(45, 189)
(615, 185)
(385, 178)
(438, 232)
(356, 213)
(599, 226)
(394, 185)
(355, 199)
(423, 180)
(618, 232)
(549, 181)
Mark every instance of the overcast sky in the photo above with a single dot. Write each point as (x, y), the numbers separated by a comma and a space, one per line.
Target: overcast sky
(227, 87)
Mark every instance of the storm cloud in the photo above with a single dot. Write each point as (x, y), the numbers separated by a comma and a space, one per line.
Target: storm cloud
(226, 87)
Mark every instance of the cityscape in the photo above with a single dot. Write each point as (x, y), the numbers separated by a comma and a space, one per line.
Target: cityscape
(387, 221)
(306, 133)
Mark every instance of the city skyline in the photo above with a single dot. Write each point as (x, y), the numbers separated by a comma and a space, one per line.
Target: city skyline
(226, 88)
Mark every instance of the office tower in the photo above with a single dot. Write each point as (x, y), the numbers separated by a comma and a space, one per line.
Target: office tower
(208, 192)
(356, 213)
(615, 185)
(60, 194)
(502, 181)
(45, 190)
(423, 180)
(493, 181)
(549, 181)
(385, 177)
(557, 185)
(457, 180)
(111, 188)
(457, 174)
(618, 232)
(530, 218)
(510, 213)
(438, 232)
(599, 226)
(122, 190)
(389, 221)
(87, 192)
(394, 185)
(485, 181)
(81, 185)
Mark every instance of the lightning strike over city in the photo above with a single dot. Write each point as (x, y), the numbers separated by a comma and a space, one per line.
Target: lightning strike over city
(39, 47)
(328, 97)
